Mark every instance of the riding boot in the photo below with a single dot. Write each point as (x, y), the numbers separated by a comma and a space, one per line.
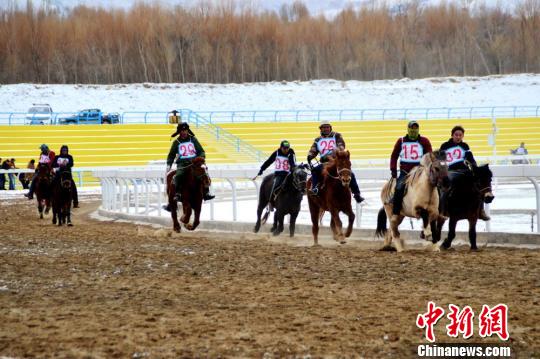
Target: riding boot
(178, 196)
(314, 184)
(483, 215)
(207, 196)
(397, 202)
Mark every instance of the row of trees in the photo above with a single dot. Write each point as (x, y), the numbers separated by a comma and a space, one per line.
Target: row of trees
(228, 43)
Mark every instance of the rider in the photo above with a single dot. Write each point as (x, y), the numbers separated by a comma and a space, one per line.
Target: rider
(324, 145)
(47, 157)
(64, 162)
(184, 149)
(409, 149)
(457, 152)
(283, 159)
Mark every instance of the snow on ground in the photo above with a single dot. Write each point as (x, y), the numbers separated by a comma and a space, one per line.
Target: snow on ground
(511, 90)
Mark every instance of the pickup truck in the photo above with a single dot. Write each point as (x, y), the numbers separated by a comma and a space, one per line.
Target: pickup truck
(90, 116)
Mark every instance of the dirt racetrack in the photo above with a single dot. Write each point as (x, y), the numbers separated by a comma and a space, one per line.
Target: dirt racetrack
(107, 289)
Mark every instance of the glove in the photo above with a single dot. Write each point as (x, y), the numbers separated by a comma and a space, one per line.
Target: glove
(260, 173)
(310, 157)
(394, 173)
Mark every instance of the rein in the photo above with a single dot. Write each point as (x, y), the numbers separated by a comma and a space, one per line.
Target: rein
(338, 177)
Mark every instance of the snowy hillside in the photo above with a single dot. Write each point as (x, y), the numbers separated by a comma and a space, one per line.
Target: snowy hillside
(509, 90)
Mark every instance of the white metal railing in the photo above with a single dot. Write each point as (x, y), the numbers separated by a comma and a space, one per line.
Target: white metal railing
(143, 191)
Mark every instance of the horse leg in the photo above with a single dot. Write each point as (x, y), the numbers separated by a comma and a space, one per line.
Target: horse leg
(338, 227)
(40, 209)
(314, 212)
(277, 228)
(472, 232)
(196, 219)
(68, 210)
(426, 230)
(292, 223)
(187, 213)
(351, 216)
(395, 221)
(47, 206)
(174, 215)
(275, 223)
(260, 209)
(54, 215)
(451, 233)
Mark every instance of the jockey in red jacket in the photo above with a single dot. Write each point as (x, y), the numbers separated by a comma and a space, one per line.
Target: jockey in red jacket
(47, 157)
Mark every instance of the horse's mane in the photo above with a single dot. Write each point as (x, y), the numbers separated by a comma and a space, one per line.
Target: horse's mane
(334, 160)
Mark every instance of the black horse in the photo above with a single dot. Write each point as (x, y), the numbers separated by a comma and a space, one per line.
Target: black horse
(287, 201)
(61, 198)
(464, 200)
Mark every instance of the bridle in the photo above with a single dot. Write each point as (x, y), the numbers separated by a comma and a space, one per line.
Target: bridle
(299, 185)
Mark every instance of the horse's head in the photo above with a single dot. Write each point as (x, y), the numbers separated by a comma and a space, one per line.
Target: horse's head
(483, 177)
(438, 168)
(299, 177)
(43, 170)
(342, 162)
(65, 180)
(200, 169)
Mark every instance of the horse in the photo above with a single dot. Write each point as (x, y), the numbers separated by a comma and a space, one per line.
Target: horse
(334, 196)
(195, 180)
(465, 199)
(421, 200)
(61, 198)
(288, 199)
(43, 188)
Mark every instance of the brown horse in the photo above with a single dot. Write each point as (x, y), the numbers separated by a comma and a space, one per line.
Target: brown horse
(62, 194)
(195, 180)
(334, 196)
(420, 201)
(43, 188)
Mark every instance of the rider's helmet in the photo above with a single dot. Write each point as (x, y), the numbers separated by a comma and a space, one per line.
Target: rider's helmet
(285, 144)
(182, 126)
(413, 123)
(64, 147)
(44, 148)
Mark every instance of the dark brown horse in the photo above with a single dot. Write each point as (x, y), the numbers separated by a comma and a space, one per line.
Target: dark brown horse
(334, 196)
(43, 188)
(469, 191)
(195, 180)
(62, 193)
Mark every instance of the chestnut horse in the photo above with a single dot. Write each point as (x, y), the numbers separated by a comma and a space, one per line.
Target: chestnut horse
(43, 188)
(334, 196)
(62, 195)
(421, 200)
(195, 180)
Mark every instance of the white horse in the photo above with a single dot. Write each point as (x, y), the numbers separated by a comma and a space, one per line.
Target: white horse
(421, 199)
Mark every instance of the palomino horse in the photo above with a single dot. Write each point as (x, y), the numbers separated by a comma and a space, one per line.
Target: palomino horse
(287, 202)
(334, 196)
(465, 198)
(62, 194)
(43, 188)
(195, 180)
(420, 201)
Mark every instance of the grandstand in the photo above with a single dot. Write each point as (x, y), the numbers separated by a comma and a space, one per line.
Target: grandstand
(375, 139)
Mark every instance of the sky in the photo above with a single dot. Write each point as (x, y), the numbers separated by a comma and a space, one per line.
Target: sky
(316, 7)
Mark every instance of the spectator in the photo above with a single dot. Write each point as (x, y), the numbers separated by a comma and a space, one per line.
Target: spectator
(520, 151)
(11, 176)
(5, 166)
(25, 178)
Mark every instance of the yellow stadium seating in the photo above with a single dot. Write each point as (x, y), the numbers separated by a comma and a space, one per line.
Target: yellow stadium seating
(375, 139)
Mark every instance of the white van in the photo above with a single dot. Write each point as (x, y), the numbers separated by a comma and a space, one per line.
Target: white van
(39, 114)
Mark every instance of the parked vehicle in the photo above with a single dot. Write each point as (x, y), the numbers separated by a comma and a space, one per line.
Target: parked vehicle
(39, 114)
(90, 116)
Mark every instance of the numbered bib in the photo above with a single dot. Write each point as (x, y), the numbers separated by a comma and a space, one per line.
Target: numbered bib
(326, 146)
(281, 164)
(454, 155)
(186, 150)
(44, 159)
(62, 162)
(411, 152)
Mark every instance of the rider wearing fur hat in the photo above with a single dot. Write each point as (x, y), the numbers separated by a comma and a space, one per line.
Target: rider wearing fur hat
(45, 157)
(184, 149)
(409, 149)
(324, 146)
(284, 160)
(64, 162)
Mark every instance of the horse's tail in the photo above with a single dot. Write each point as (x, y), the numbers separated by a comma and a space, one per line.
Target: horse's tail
(265, 216)
(381, 223)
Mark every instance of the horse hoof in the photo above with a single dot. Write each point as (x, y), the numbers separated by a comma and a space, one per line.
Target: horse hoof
(177, 230)
(70, 224)
(475, 249)
(342, 241)
(189, 227)
(388, 248)
(422, 235)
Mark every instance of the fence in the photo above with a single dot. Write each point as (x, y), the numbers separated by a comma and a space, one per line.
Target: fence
(143, 192)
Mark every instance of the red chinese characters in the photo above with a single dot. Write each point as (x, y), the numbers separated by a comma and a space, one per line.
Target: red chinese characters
(494, 321)
(460, 322)
(429, 319)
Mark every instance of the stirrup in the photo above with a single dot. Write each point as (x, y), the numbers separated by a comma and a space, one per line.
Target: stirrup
(208, 197)
(314, 191)
(178, 197)
(483, 216)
